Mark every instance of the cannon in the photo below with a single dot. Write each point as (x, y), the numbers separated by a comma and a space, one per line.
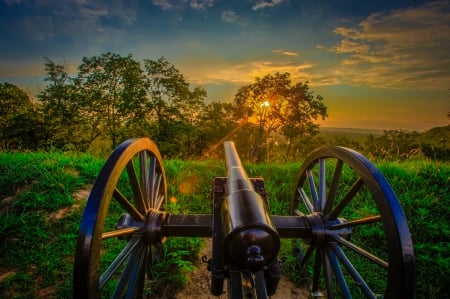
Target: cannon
(349, 232)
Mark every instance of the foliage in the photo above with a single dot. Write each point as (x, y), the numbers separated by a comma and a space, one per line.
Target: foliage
(435, 143)
(394, 145)
(34, 242)
(217, 123)
(176, 109)
(20, 121)
(424, 191)
(113, 93)
(41, 212)
(62, 109)
(170, 270)
(275, 105)
(113, 98)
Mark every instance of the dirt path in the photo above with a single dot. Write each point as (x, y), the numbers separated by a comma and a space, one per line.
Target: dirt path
(198, 287)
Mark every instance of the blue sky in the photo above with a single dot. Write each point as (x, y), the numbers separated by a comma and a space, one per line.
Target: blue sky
(378, 64)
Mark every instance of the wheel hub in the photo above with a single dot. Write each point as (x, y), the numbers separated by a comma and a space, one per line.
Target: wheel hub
(322, 229)
(153, 224)
(151, 228)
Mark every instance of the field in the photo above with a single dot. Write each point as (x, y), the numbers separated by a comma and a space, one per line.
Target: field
(42, 196)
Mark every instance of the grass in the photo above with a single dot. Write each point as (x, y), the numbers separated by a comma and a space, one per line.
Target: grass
(40, 216)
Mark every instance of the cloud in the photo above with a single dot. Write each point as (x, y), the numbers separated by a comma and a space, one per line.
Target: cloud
(70, 27)
(406, 48)
(169, 4)
(123, 10)
(285, 52)
(201, 4)
(263, 4)
(229, 16)
(205, 72)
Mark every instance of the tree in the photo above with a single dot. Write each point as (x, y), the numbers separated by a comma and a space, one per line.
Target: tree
(62, 101)
(12, 100)
(191, 110)
(114, 93)
(217, 125)
(176, 109)
(435, 143)
(393, 144)
(275, 106)
(19, 119)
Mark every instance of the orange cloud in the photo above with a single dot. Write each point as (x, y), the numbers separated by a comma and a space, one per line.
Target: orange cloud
(285, 52)
(206, 72)
(405, 48)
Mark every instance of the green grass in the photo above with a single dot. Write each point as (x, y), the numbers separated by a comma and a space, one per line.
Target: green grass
(36, 248)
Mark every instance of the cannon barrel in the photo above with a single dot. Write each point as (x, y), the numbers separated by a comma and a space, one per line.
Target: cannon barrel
(250, 239)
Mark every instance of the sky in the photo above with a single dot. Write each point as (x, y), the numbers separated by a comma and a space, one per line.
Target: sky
(378, 64)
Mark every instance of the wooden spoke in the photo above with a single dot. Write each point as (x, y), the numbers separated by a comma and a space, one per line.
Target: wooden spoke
(358, 222)
(119, 233)
(347, 198)
(118, 261)
(333, 187)
(362, 252)
(127, 205)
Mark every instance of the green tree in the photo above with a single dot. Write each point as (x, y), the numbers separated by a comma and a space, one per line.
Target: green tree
(13, 100)
(435, 143)
(176, 109)
(191, 112)
(114, 93)
(20, 119)
(276, 107)
(300, 129)
(393, 144)
(217, 125)
(62, 101)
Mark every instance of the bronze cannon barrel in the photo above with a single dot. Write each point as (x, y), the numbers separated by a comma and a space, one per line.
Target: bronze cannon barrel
(250, 238)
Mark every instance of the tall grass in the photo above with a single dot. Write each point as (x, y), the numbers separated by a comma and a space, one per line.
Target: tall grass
(423, 188)
(37, 246)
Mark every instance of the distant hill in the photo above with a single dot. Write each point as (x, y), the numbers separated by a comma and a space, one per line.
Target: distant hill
(333, 130)
(349, 133)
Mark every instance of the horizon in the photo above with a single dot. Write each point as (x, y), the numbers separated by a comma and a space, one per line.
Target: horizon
(379, 65)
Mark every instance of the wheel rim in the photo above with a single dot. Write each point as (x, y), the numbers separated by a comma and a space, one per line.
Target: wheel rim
(360, 244)
(120, 233)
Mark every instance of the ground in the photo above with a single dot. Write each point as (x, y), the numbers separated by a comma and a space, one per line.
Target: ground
(198, 286)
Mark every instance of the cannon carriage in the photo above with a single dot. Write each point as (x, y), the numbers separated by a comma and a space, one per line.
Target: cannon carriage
(350, 233)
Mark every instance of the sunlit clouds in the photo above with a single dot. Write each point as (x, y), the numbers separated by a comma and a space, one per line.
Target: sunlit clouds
(285, 52)
(201, 4)
(209, 72)
(405, 49)
(263, 4)
(391, 49)
(167, 4)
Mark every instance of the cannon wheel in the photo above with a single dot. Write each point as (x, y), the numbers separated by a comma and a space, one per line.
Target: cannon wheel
(360, 244)
(120, 235)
